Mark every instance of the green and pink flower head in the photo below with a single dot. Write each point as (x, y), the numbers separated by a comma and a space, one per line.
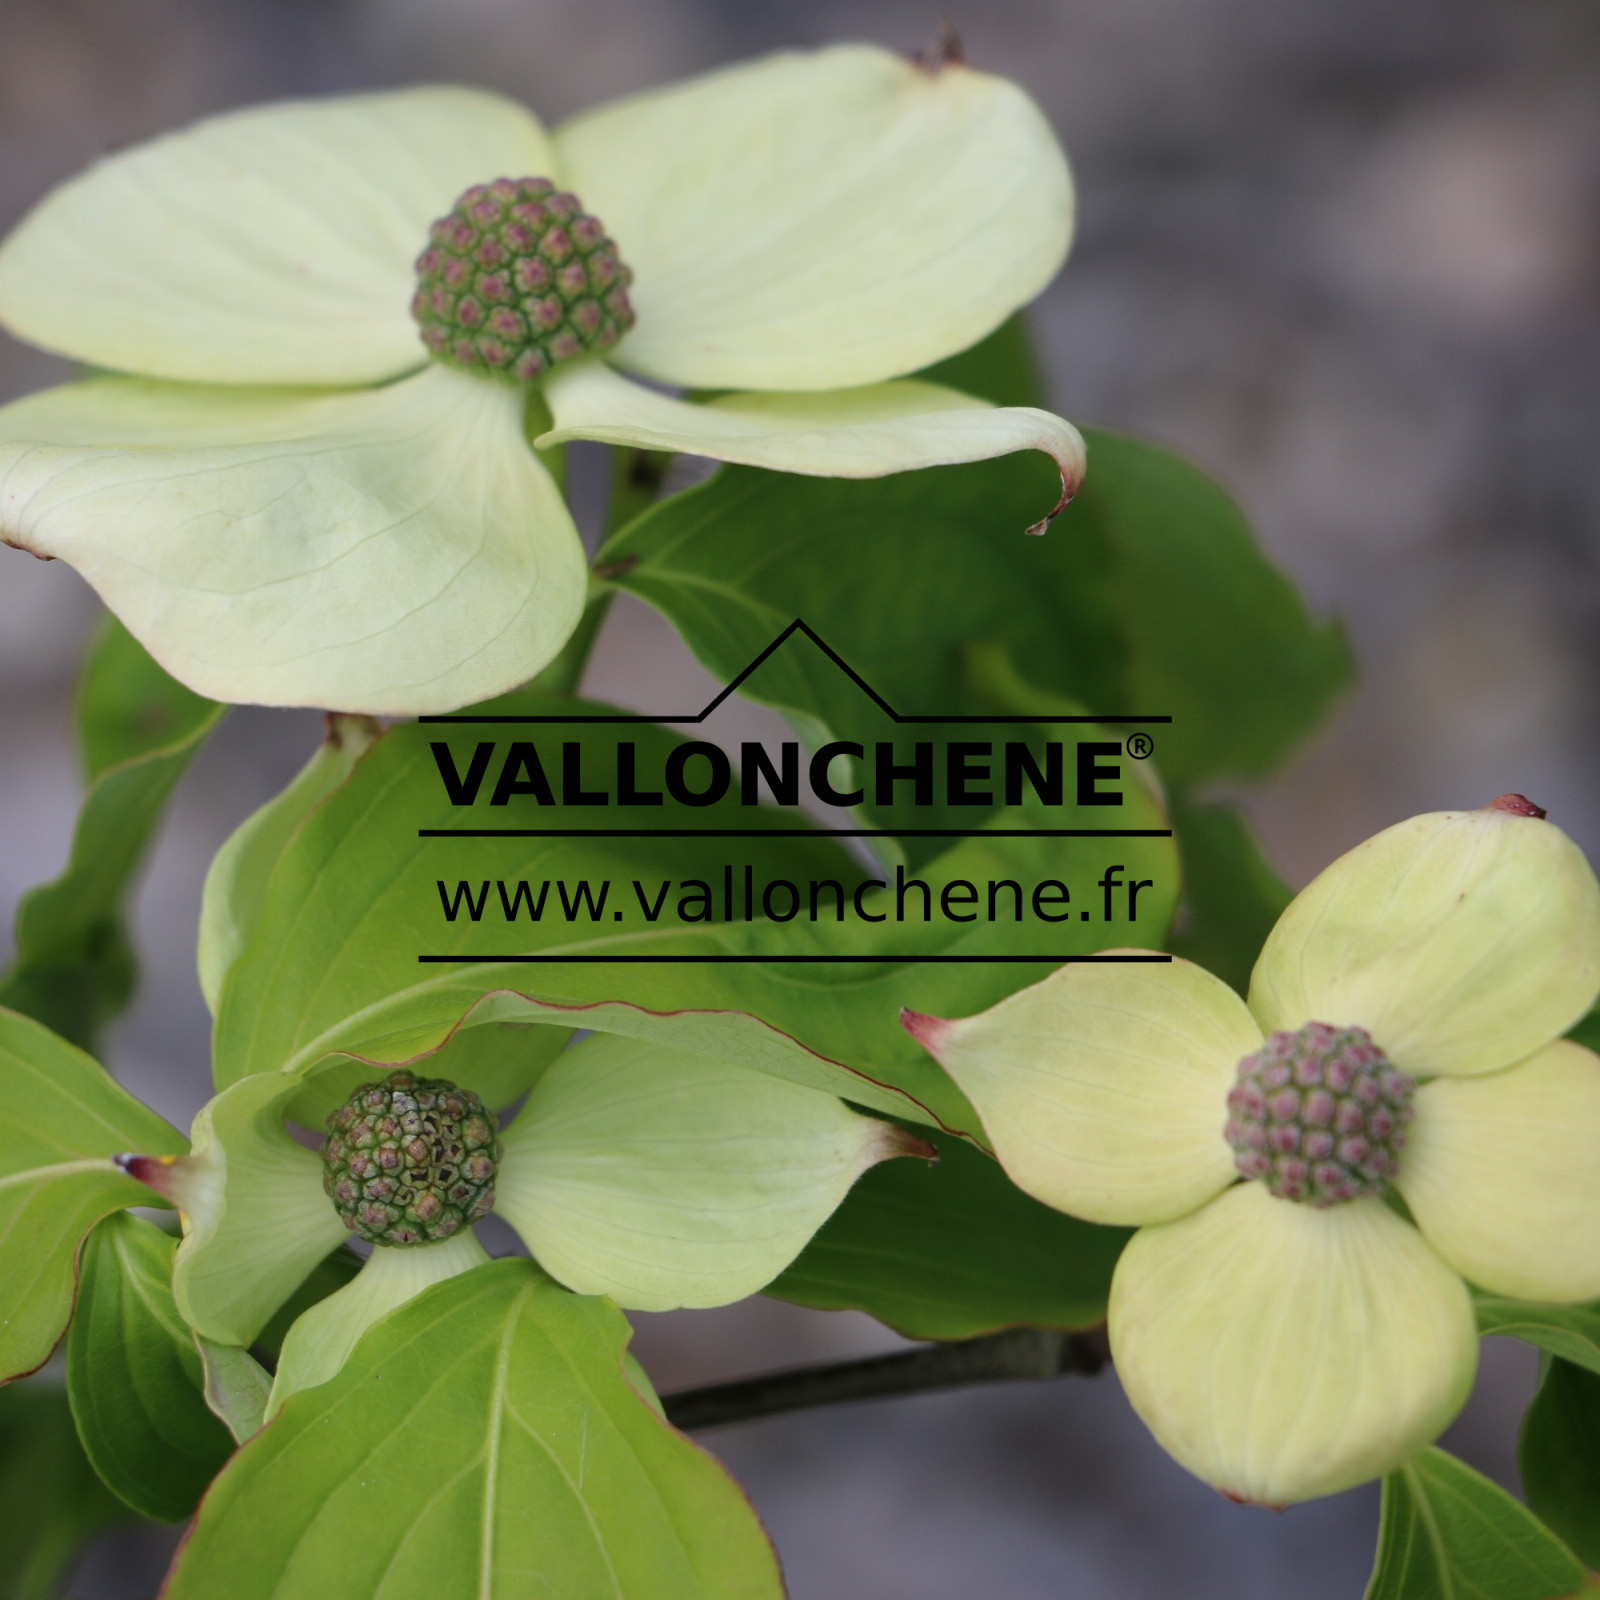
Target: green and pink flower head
(519, 278)
(1319, 1172)
(328, 330)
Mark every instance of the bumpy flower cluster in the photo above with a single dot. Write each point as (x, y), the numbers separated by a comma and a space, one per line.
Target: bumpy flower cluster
(519, 278)
(410, 1160)
(1319, 1115)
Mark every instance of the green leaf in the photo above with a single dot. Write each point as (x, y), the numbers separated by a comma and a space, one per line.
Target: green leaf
(238, 875)
(482, 1443)
(65, 1119)
(1212, 633)
(1570, 1332)
(952, 1251)
(1587, 1032)
(1148, 596)
(74, 969)
(237, 1386)
(135, 1378)
(331, 1274)
(1560, 1456)
(1448, 1533)
(354, 901)
(1002, 369)
(126, 706)
(51, 1502)
(1231, 895)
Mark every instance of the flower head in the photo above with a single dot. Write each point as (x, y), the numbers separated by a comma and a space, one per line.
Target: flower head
(652, 1175)
(338, 320)
(410, 1160)
(1278, 1323)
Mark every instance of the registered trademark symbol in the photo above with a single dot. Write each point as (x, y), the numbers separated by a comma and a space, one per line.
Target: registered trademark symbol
(1140, 746)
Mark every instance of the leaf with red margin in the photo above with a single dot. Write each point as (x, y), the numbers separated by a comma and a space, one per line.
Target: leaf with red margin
(332, 964)
(66, 1118)
(484, 1440)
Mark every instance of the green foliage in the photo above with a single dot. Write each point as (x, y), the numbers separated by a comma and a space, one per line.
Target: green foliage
(482, 1443)
(51, 1502)
(1147, 596)
(134, 1375)
(1231, 895)
(65, 1119)
(237, 1386)
(332, 963)
(1570, 1332)
(329, 1275)
(493, 1437)
(1447, 1533)
(239, 872)
(1560, 1455)
(953, 1250)
(1002, 369)
(126, 706)
(139, 729)
(1587, 1032)
(1209, 631)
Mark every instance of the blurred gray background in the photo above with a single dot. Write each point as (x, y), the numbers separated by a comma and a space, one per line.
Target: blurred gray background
(1344, 253)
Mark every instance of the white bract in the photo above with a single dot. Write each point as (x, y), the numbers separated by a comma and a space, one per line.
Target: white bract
(655, 1176)
(287, 502)
(1285, 1348)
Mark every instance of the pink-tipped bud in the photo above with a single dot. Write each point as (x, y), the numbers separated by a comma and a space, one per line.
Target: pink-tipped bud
(1516, 805)
(929, 1032)
(160, 1173)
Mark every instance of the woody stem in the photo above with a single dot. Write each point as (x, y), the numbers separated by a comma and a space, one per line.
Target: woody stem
(1015, 1355)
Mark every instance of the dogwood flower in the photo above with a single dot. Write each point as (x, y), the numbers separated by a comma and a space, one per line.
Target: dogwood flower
(333, 323)
(653, 1175)
(1281, 1327)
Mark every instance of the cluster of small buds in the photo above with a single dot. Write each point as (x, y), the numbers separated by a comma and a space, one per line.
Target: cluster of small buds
(1319, 1115)
(519, 278)
(410, 1160)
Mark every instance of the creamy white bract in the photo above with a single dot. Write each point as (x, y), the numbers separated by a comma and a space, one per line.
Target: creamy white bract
(1281, 1349)
(287, 502)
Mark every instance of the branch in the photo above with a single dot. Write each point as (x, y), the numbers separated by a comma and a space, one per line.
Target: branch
(1016, 1355)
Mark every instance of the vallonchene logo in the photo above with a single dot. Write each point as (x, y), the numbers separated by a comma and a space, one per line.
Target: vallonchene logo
(535, 765)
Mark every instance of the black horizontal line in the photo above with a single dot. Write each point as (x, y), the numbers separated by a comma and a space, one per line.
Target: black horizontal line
(667, 716)
(767, 961)
(797, 626)
(794, 833)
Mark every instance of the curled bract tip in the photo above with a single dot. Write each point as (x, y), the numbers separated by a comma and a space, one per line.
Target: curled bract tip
(897, 1141)
(1071, 483)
